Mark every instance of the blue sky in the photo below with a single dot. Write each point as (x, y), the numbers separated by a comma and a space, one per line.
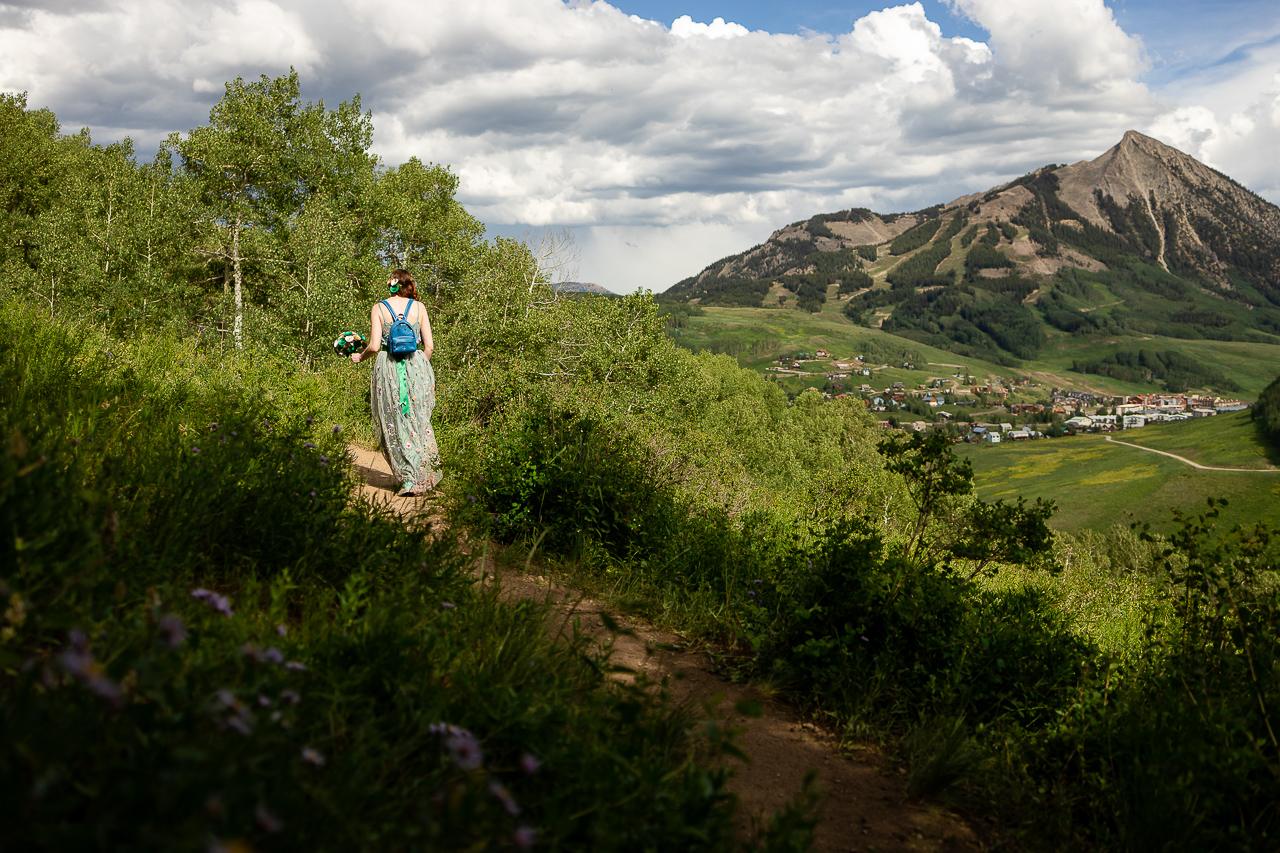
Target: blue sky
(1183, 37)
(664, 142)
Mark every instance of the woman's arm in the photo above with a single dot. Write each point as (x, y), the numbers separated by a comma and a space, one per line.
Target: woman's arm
(428, 343)
(375, 337)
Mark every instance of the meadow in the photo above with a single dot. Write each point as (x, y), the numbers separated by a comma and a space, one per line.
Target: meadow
(1097, 483)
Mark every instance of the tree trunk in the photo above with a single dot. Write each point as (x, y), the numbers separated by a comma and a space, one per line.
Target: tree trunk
(237, 330)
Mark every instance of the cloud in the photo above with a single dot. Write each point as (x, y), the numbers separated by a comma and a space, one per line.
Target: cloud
(575, 113)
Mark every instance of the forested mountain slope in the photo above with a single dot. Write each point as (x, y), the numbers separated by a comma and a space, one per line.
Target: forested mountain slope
(1142, 241)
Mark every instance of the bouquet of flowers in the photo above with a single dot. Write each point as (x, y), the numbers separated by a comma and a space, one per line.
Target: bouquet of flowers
(348, 343)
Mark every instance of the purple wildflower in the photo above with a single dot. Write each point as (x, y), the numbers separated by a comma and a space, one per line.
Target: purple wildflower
(107, 689)
(309, 445)
(264, 701)
(504, 796)
(80, 663)
(524, 836)
(529, 763)
(447, 605)
(337, 430)
(465, 750)
(273, 656)
(213, 427)
(310, 421)
(266, 820)
(312, 756)
(281, 630)
(240, 723)
(324, 460)
(313, 493)
(864, 638)
(217, 602)
(172, 631)
(195, 451)
(294, 666)
(471, 498)
(78, 640)
(291, 696)
(234, 434)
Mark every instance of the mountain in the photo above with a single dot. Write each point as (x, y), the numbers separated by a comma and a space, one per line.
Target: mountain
(1143, 241)
(580, 287)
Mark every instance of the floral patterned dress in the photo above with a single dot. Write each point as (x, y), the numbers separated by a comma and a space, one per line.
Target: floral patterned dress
(403, 395)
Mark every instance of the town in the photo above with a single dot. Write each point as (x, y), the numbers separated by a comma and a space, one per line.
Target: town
(953, 402)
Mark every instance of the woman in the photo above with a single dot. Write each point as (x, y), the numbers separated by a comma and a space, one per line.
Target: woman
(403, 389)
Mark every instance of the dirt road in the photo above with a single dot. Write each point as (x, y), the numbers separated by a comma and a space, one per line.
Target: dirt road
(1189, 462)
(864, 805)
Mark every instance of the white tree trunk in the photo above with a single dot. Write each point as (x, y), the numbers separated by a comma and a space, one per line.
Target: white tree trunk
(237, 329)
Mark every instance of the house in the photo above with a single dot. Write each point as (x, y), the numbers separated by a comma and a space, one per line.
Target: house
(1203, 413)
(1020, 435)
(991, 438)
(1134, 421)
(822, 354)
(1079, 422)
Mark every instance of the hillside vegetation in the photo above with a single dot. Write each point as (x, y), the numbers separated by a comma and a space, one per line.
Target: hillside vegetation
(208, 641)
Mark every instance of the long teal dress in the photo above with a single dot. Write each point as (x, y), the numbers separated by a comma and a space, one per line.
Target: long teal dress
(408, 442)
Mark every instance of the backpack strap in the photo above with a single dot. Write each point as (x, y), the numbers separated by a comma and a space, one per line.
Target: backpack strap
(391, 311)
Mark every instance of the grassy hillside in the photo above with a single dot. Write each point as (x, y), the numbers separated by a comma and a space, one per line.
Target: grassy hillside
(1097, 484)
(1225, 441)
(755, 335)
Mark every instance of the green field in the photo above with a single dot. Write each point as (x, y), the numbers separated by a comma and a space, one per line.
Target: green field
(1097, 483)
(1223, 441)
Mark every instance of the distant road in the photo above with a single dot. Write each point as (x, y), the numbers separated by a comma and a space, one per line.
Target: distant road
(1189, 462)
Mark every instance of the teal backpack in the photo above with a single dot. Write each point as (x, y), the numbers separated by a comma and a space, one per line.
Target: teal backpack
(402, 340)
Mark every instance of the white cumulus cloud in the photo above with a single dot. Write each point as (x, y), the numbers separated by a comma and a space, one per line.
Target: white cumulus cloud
(665, 145)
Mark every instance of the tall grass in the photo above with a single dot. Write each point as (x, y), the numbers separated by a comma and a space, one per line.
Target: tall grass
(206, 641)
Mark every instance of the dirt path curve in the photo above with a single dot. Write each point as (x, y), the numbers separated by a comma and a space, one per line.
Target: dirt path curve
(864, 806)
(1189, 462)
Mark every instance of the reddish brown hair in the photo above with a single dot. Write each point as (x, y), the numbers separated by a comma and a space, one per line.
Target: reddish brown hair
(407, 287)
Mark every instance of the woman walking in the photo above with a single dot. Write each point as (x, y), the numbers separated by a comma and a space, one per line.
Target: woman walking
(403, 388)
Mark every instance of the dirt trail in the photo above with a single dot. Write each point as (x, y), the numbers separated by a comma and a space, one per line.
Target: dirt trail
(864, 806)
(1188, 461)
